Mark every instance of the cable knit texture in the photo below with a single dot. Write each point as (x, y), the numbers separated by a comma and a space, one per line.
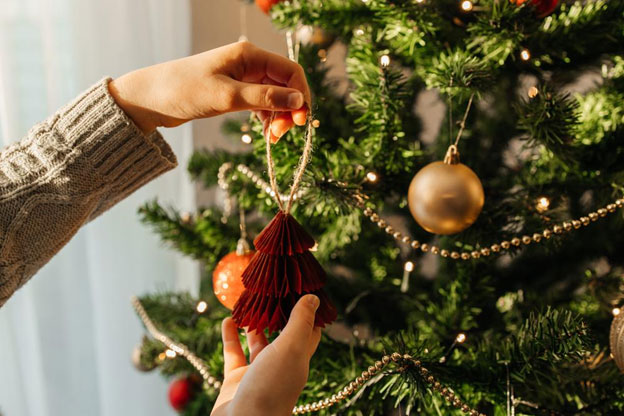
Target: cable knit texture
(65, 172)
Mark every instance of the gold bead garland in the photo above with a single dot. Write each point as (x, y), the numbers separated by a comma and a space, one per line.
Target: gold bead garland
(403, 360)
(496, 248)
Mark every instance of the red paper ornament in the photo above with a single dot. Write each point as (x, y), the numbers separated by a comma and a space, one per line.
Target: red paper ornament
(542, 7)
(181, 392)
(227, 282)
(266, 5)
(282, 271)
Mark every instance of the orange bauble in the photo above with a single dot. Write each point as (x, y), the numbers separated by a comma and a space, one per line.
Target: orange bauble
(227, 282)
(265, 5)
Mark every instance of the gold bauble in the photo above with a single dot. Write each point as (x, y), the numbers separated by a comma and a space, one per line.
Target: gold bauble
(616, 340)
(445, 197)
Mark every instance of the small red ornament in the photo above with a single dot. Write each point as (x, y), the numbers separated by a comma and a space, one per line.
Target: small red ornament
(266, 5)
(282, 271)
(542, 7)
(227, 281)
(181, 392)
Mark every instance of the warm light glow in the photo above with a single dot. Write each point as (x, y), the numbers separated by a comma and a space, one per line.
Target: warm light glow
(359, 32)
(246, 138)
(170, 353)
(315, 246)
(616, 311)
(322, 54)
(466, 5)
(316, 123)
(420, 1)
(384, 60)
(461, 337)
(409, 266)
(371, 176)
(525, 55)
(532, 93)
(202, 306)
(542, 205)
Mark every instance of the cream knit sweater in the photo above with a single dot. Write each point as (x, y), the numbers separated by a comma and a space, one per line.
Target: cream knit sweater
(65, 172)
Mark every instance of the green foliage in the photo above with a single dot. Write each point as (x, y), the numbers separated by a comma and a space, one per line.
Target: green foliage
(536, 319)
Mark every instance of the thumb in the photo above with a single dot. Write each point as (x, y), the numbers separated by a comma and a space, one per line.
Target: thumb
(300, 325)
(266, 97)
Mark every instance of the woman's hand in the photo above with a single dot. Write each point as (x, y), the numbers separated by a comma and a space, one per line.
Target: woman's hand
(235, 77)
(276, 373)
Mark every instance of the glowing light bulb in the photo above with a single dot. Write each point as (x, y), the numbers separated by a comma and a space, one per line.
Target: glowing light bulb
(420, 1)
(384, 61)
(359, 32)
(616, 311)
(371, 176)
(542, 205)
(170, 353)
(460, 338)
(466, 5)
(316, 123)
(532, 93)
(322, 54)
(201, 306)
(246, 138)
(525, 55)
(315, 246)
(409, 266)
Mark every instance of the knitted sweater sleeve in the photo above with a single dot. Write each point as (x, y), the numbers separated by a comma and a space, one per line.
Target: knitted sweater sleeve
(66, 171)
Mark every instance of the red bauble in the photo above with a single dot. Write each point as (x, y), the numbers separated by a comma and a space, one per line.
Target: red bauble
(265, 5)
(227, 281)
(542, 7)
(282, 271)
(181, 392)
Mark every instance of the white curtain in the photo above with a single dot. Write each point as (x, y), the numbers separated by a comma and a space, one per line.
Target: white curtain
(66, 337)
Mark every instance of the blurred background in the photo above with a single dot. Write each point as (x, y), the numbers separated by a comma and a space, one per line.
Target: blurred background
(66, 337)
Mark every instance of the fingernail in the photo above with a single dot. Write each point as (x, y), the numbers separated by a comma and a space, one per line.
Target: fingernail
(295, 100)
(314, 301)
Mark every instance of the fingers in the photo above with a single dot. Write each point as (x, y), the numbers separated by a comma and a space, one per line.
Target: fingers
(256, 341)
(315, 339)
(233, 355)
(259, 64)
(248, 96)
(300, 326)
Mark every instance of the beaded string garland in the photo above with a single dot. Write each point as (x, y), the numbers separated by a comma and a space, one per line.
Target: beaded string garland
(283, 269)
(371, 375)
(486, 251)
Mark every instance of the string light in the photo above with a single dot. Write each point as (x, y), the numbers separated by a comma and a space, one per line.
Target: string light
(466, 5)
(616, 311)
(371, 176)
(420, 1)
(315, 246)
(170, 353)
(542, 205)
(201, 306)
(246, 138)
(161, 357)
(525, 55)
(532, 93)
(322, 54)
(460, 338)
(316, 123)
(359, 32)
(384, 61)
(408, 267)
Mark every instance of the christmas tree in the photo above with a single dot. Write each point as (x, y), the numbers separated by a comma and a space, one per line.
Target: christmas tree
(475, 273)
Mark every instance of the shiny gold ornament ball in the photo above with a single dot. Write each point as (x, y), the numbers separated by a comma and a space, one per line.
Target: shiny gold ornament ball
(445, 198)
(616, 340)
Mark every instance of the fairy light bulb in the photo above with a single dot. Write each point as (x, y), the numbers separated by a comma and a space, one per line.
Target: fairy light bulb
(466, 5)
(384, 61)
(162, 356)
(201, 306)
(460, 338)
(170, 353)
(420, 1)
(616, 311)
(316, 123)
(359, 32)
(246, 138)
(525, 55)
(542, 205)
(409, 266)
(532, 92)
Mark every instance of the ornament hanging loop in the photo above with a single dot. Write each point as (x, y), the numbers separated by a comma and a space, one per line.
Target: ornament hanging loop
(452, 155)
